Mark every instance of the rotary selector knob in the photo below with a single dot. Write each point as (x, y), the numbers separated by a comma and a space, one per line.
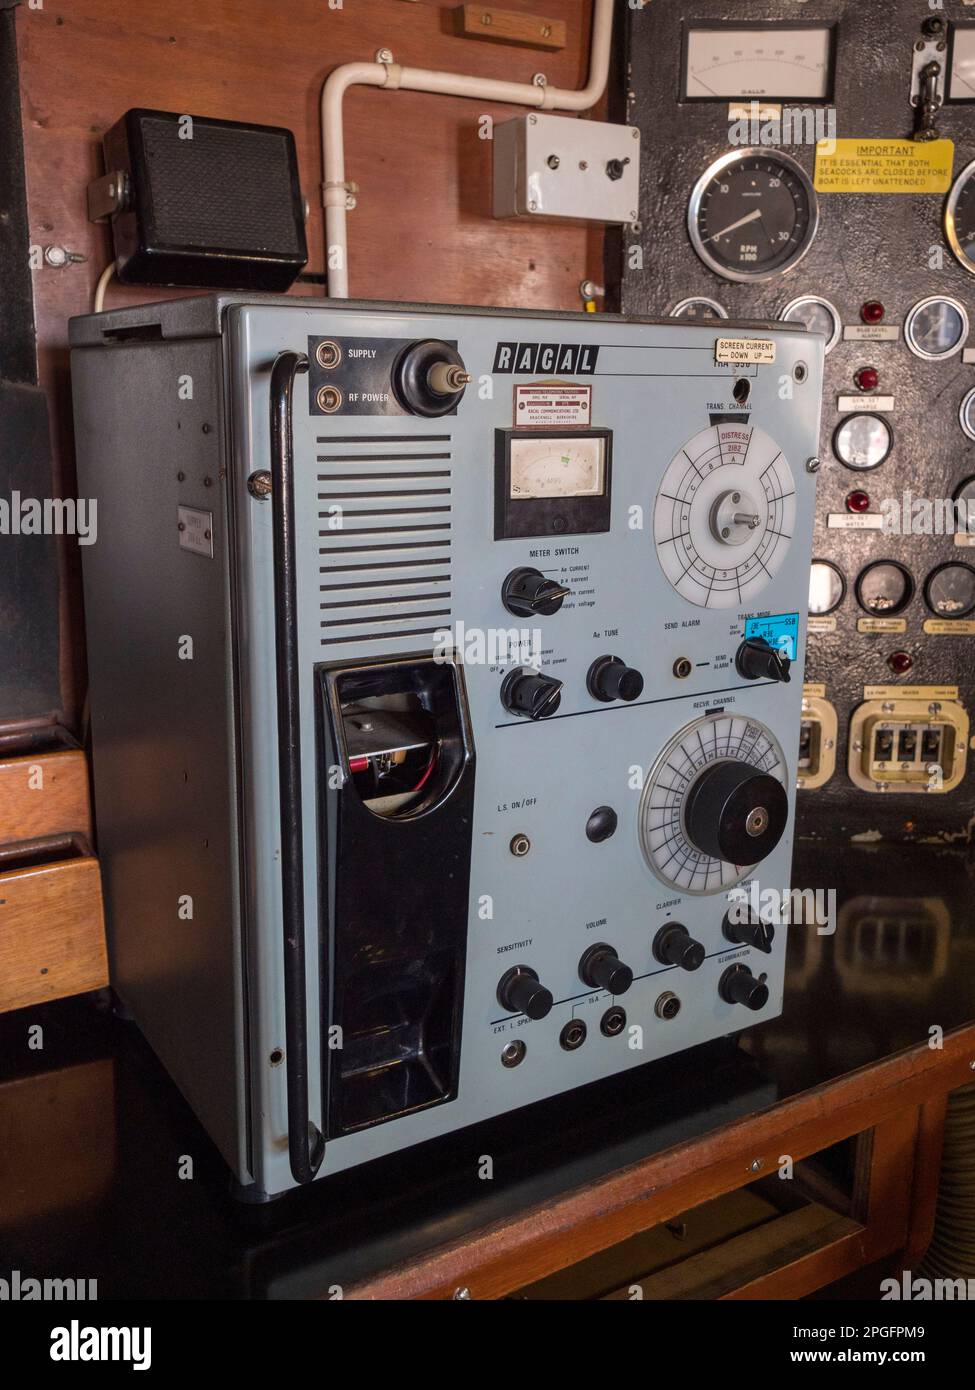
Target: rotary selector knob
(601, 968)
(735, 812)
(519, 992)
(752, 932)
(611, 679)
(530, 694)
(739, 986)
(755, 660)
(528, 594)
(674, 945)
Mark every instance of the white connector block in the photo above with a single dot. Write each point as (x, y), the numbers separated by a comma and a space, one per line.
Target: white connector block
(558, 166)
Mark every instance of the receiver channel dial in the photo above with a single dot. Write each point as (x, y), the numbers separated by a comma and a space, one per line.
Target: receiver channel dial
(715, 803)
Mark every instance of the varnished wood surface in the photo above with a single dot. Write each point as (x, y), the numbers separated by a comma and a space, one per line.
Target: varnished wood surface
(501, 1258)
(52, 933)
(46, 794)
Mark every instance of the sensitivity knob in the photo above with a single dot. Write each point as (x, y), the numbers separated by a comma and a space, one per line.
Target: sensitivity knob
(674, 945)
(601, 968)
(753, 932)
(735, 812)
(530, 694)
(611, 679)
(755, 660)
(519, 992)
(739, 986)
(528, 592)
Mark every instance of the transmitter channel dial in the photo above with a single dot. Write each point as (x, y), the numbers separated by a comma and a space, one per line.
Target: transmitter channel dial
(725, 515)
(715, 803)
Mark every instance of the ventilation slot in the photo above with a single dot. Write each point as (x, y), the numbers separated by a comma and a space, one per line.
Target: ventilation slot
(384, 527)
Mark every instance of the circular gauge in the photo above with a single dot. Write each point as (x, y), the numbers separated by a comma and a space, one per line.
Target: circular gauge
(816, 314)
(827, 588)
(964, 500)
(966, 414)
(700, 308)
(753, 214)
(715, 797)
(936, 327)
(884, 588)
(724, 515)
(949, 590)
(862, 441)
(960, 218)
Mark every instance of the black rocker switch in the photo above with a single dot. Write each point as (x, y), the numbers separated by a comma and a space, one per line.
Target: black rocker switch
(601, 968)
(611, 679)
(739, 986)
(519, 992)
(674, 945)
(531, 694)
(755, 660)
(753, 932)
(528, 593)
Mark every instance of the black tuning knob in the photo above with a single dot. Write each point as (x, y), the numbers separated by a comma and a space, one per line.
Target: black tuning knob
(755, 660)
(519, 992)
(429, 377)
(611, 679)
(739, 986)
(530, 694)
(601, 968)
(528, 593)
(752, 931)
(735, 812)
(674, 945)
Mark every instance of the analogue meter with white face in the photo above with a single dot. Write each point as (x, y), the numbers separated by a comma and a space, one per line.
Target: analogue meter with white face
(725, 515)
(566, 467)
(773, 61)
(715, 803)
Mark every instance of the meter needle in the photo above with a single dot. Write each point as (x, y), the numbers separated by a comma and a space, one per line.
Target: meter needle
(742, 222)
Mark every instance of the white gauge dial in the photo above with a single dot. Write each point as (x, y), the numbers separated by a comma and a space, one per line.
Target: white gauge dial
(773, 61)
(695, 752)
(961, 86)
(724, 516)
(558, 467)
(816, 314)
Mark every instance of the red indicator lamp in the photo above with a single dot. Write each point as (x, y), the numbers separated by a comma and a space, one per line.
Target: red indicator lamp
(873, 311)
(867, 379)
(900, 662)
(858, 501)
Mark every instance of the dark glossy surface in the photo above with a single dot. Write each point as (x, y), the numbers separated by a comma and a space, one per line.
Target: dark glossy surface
(92, 1132)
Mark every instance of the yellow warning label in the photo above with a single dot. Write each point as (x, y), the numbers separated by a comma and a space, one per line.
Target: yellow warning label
(910, 692)
(950, 627)
(884, 166)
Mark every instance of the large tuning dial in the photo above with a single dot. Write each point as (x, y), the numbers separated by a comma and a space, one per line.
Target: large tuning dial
(715, 803)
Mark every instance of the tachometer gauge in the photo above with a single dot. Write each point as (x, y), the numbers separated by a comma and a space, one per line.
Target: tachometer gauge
(557, 467)
(862, 441)
(753, 215)
(936, 328)
(960, 218)
(816, 314)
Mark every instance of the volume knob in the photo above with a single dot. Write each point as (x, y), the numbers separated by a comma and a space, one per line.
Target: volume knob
(519, 992)
(601, 968)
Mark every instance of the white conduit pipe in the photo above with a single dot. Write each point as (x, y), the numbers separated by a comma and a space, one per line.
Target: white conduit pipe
(391, 76)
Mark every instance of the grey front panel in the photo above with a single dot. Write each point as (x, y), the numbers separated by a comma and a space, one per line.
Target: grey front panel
(657, 388)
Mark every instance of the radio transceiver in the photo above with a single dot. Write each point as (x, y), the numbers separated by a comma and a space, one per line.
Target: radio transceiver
(446, 687)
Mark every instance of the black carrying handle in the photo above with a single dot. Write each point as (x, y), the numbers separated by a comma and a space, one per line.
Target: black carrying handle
(306, 1144)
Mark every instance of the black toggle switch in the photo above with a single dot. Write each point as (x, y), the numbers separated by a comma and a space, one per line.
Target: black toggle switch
(674, 945)
(611, 679)
(528, 593)
(739, 986)
(752, 932)
(601, 968)
(519, 992)
(755, 660)
(530, 694)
